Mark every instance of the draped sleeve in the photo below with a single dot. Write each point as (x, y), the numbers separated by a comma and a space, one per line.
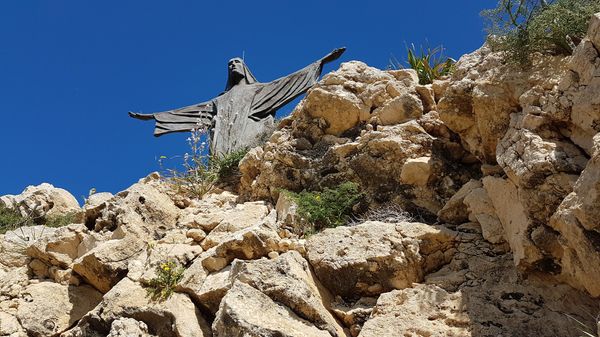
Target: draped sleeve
(183, 119)
(273, 95)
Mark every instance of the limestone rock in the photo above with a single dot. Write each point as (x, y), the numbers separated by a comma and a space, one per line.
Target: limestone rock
(482, 211)
(94, 205)
(14, 245)
(454, 211)
(206, 289)
(144, 209)
(45, 199)
(370, 150)
(52, 308)
(421, 311)
(376, 257)
(128, 327)
(482, 94)
(354, 315)
(288, 280)
(577, 222)
(177, 316)
(249, 243)
(512, 215)
(416, 171)
(64, 245)
(9, 326)
(105, 265)
(144, 267)
(237, 316)
(242, 216)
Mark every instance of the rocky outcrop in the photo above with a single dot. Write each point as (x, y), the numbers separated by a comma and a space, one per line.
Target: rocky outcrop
(508, 160)
(43, 200)
(543, 139)
(384, 142)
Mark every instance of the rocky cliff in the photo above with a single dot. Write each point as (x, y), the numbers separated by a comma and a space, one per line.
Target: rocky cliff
(498, 170)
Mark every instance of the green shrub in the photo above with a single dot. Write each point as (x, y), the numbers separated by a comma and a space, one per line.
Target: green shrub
(9, 218)
(329, 208)
(60, 220)
(226, 165)
(201, 171)
(430, 64)
(198, 177)
(168, 275)
(520, 28)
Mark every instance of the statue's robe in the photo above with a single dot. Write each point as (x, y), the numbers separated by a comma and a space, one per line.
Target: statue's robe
(239, 117)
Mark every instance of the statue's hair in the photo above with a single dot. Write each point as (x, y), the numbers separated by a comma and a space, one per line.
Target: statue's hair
(248, 76)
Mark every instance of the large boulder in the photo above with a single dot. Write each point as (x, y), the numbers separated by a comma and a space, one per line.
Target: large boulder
(52, 308)
(357, 93)
(425, 310)
(42, 200)
(376, 257)
(245, 311)
(105, 265)
(288, 280)
(145, 209)
(176, 316)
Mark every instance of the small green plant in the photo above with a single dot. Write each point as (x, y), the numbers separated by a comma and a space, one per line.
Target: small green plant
(430, 64)
(226, 165)
(198, 176)
(329, 208)
(60, 220)
(9, 218)
(201, 171)
(520, 28)
(168, 275)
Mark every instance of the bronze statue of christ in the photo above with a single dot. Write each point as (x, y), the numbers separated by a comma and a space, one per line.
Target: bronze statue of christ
(241, 114)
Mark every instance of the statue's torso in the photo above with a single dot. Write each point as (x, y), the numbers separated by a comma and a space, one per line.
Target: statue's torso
(233, 128)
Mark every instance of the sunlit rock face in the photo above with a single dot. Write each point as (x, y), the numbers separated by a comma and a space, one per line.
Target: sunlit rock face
(501, 168)
(377, 128)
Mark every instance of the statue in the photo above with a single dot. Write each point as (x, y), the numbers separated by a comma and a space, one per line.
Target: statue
(241, 114)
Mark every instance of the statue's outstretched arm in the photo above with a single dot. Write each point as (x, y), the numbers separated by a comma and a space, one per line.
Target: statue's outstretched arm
(334, 55)
(143, 117)
(180, 120)
(273, 95)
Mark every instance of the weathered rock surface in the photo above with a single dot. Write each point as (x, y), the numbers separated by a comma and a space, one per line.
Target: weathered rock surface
(238, 316)
(144, 209)
(177, 316)
(376, 257)
(104, 266)
(288, 280)
(577, 222)
(421, 311)
(42, 200)
(52, 308)
(128, 327)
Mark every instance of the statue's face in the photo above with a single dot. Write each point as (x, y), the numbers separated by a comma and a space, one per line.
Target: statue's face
(235, 67)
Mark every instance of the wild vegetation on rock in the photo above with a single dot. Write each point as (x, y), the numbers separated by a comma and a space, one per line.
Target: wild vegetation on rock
(521, 28)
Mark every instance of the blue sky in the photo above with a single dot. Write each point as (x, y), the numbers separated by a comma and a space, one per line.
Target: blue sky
(70, 70)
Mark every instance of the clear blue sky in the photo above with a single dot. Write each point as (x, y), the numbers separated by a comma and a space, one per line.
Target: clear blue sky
(70, 70)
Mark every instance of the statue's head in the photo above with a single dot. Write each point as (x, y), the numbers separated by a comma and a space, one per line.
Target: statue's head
(237, 71)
